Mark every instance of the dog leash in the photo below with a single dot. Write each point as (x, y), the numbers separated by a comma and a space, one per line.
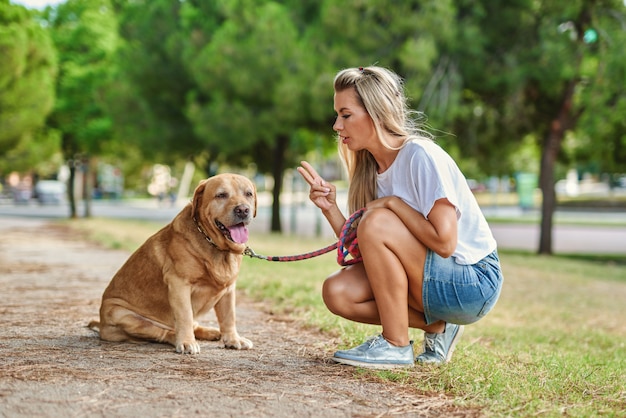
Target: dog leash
(347, 246)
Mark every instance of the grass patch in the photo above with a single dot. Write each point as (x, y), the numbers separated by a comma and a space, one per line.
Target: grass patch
(554, 345)
(534, 219)
(612, 201)
(115, 233)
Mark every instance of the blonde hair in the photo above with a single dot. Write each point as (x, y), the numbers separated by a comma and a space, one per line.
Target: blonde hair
(381, 93)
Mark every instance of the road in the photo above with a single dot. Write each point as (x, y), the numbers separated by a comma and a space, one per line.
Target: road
(587, 232)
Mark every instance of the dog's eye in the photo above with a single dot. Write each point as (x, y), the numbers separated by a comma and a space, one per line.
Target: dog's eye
(249, 194)
(221, 195)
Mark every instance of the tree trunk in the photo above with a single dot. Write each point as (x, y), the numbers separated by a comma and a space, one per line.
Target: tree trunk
(565, 120)
(550, 151)
(87, 186)
(70, 188)
(282, 141)
(546, 184)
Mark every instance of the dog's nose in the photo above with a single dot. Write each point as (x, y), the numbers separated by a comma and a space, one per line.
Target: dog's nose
(242, 211)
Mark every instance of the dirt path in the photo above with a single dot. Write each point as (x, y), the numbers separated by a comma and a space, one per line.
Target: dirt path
(51, 365)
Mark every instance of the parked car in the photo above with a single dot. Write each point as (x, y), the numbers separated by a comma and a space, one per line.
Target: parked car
(50, 192)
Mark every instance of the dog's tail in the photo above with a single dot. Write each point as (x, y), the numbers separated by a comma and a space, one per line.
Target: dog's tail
(94, 326)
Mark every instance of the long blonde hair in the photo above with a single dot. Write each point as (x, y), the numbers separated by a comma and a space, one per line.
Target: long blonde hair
(381, 93)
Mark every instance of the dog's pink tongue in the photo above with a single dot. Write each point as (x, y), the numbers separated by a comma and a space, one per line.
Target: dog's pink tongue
(239, 233)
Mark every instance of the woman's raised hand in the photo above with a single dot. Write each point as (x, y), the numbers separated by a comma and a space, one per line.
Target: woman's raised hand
(322, 193)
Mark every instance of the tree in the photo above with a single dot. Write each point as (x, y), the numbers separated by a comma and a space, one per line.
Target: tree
(28, 69)
(152, 85)
(255, 80)
(563, 82)
(250, 82)
(601, 129)
(533, 71)
(251, 74)
(85, 34)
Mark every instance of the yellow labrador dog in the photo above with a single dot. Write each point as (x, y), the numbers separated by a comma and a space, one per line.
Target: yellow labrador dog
(183, 271)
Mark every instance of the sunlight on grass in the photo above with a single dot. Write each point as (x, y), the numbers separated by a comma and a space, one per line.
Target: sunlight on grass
(554, 345)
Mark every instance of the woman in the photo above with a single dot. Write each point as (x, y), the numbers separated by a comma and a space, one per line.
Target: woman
(429, 258)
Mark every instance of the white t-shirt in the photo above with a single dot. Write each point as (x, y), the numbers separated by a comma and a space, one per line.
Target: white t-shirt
(423, 173)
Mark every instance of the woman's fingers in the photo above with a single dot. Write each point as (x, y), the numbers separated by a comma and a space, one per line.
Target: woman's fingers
(309, 174)
(305, 175)
(320, 192)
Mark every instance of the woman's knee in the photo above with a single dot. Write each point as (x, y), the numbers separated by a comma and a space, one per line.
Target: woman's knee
(333, 294)
(375, 223)
(345, 288)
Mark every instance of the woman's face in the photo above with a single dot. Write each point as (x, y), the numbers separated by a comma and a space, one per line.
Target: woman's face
(353, 124)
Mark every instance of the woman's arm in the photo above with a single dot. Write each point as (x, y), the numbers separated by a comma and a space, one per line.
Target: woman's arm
(438, 232)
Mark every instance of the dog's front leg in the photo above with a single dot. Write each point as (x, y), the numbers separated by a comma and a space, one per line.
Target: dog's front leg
(180, 301)
(225, 313)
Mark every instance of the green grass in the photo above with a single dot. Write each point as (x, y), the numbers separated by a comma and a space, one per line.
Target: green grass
(568, 210)
(613, 201)
(554, 345)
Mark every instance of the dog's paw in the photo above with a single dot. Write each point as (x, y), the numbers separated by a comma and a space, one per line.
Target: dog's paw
(237, 343)
(207, 333)
(188, 347)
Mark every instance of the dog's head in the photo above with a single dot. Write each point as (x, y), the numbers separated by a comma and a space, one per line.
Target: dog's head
(224, 205)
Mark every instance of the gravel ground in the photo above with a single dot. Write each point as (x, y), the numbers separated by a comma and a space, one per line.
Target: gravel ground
(51, 365)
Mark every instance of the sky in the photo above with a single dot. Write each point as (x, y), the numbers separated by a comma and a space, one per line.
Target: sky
(40, 4)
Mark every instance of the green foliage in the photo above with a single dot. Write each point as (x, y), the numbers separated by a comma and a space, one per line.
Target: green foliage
(85, 34)
(602, 130)
(28, 70)
(244, 82)
(249, 77)
(516, 57)
(38, 151)
(149, 98)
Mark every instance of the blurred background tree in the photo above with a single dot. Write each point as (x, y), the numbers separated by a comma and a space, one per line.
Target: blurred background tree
(152, 82)
(85, 36)
(545, 68)
(250, 99)
(507, 86)
(28, 70)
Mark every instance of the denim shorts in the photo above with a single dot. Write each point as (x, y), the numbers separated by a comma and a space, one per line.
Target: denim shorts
(460, 294)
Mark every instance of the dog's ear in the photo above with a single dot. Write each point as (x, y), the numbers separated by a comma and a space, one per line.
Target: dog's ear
(255, 201)
(196, 202)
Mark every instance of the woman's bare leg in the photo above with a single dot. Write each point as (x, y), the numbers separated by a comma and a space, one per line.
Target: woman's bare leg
(386, 288)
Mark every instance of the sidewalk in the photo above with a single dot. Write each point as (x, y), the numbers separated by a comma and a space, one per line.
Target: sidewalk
(52, 365)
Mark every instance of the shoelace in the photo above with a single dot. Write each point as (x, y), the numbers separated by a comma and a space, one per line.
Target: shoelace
(429, 342)
(375, 341)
